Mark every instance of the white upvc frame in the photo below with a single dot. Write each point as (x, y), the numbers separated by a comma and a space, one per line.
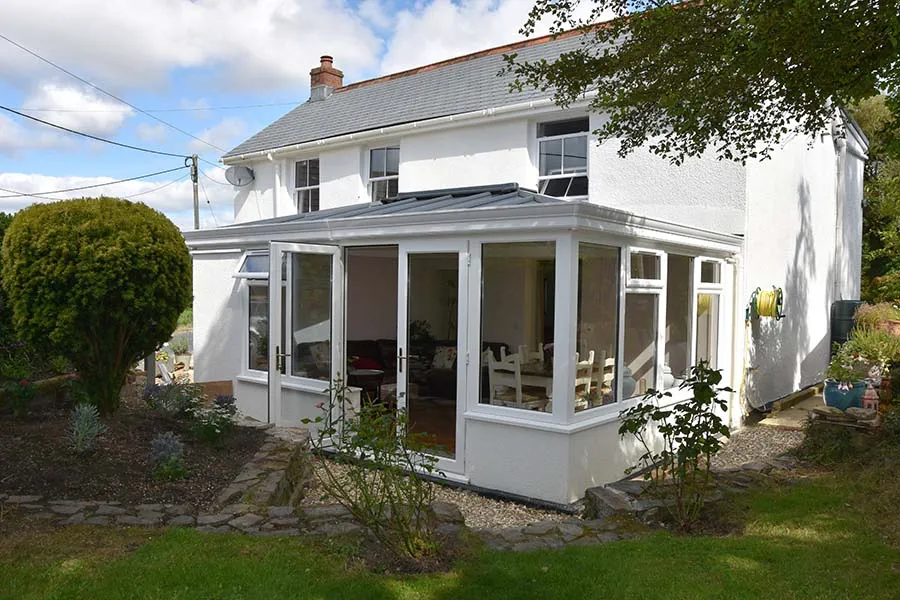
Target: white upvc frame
(563, 380)
(713, 289)
(251, 274)
(464, 358)
(615, 407)
(305, 188)
(277, 380)
(562, 173)
(655, 287)
(368, 168)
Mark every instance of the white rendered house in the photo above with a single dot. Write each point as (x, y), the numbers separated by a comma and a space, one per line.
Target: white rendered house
(474, 256)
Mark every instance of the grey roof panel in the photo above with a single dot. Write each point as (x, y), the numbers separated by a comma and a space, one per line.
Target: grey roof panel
(474, 198)
(459, 87)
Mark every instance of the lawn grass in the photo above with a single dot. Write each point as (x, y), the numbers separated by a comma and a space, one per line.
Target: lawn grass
(810, 540)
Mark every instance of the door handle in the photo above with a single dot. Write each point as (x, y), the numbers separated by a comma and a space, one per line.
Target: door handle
(280, 364)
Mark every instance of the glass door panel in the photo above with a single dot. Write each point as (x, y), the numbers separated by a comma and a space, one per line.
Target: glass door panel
(431, 348)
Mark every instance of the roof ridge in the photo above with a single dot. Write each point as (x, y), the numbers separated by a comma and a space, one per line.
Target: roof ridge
(471, 56)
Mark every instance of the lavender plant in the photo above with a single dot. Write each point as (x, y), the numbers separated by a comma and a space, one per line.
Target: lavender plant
(85, 428)
(167, 456)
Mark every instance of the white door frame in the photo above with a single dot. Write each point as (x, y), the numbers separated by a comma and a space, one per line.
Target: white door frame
(460, 247)
(277, 252)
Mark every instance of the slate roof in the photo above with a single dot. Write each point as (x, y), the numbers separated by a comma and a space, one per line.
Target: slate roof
(451, 87)
(467, 198)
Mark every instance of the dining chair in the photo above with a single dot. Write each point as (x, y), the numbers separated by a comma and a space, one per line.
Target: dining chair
(531, 357)
(507, 373)
(584, 379)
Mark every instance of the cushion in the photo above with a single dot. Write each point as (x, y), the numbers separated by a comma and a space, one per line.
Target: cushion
(365, 362)
(444, 357)
(321, 352)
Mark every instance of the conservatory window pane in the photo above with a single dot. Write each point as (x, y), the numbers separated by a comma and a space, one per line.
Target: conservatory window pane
(645, 265)
(259, 327)
(708, 329)
(710, 272)
(311, 315)
(256, 263)
(517, 306)
(597, 332)
(678, 321)
(639, 372)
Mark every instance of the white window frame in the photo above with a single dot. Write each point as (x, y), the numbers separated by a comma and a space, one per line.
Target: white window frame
(245, 360)
(370, 188)
(544, 179)
(306, 188)
(251, 274)
(636, 283)
(713, 289)
(692, 314)
(655, 287)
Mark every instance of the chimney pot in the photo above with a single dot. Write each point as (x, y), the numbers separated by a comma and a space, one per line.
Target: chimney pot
(324, 79)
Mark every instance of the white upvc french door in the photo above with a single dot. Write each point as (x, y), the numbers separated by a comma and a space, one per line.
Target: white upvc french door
(432, 367)
(305, 319)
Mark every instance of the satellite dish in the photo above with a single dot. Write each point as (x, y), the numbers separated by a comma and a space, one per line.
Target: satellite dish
(239, 176)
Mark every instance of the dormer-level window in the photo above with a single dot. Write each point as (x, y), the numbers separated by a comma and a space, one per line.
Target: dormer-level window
(562, 160)
(306, 185)
(384, 172)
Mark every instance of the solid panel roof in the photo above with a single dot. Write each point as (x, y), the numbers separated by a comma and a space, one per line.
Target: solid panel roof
(468, 198)
(450, 87)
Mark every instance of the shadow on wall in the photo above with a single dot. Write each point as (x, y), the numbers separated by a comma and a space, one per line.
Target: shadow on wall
(782, 354)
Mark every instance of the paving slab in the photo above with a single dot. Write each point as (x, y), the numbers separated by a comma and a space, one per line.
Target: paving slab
(794, 417)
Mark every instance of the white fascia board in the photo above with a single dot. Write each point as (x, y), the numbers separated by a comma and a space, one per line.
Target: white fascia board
(547, 217)
(542, 105)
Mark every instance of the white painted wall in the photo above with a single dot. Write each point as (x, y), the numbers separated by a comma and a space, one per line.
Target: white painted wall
(702, 192)
(790, 243)
(257, 200)
(848, 259)
(486, 154)
(218, 317)
(341, 177)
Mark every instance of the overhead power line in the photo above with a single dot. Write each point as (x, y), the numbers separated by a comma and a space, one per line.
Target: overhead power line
(158, 110)
(110, 94)
(209, 204)
(16, 194)
(88, 135)
(156, 189)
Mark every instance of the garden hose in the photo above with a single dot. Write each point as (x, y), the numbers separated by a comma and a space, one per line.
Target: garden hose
(766, 303)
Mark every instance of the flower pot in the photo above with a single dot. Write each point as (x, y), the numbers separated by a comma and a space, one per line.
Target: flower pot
(843, 396)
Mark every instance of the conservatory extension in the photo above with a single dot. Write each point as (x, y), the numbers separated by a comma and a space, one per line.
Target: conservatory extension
(512, 327)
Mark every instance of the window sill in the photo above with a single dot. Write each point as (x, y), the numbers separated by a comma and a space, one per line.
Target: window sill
(260, 377)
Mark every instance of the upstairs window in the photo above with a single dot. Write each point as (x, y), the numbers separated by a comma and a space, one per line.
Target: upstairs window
(562, 168)
(384, 173)
(306, 185)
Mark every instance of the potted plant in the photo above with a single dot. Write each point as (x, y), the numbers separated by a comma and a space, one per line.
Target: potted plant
(880, 348)
(884, 316)
(845, 378)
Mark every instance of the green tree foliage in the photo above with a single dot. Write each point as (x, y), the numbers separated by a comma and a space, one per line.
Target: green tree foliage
(881, 212)
(736, 77)
(98, 280)
(7, 333)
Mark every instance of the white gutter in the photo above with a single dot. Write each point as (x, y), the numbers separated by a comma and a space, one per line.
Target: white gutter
(472, 117)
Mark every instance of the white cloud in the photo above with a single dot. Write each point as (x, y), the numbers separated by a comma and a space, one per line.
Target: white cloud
(443, 29)
(152, 133)
(173, 197)
(253, 45)
(224, 134)
(79, 108)
(15, 138)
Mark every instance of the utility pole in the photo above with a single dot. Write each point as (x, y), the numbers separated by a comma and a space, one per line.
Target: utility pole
(194, 174)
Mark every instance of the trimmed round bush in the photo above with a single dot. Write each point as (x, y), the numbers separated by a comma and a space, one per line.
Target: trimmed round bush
(100, 281)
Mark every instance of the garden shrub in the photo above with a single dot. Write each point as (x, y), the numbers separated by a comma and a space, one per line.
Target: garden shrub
(376, 472)
(828, 444)
(100, 281)
(167, 456)
(212, 423)
(85, 428)
(18, 395)
(178, 400)
(690, 432)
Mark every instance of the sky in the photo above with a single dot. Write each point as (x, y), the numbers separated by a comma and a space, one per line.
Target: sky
(219, 70)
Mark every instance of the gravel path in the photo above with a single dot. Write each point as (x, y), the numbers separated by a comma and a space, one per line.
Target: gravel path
(753, 444)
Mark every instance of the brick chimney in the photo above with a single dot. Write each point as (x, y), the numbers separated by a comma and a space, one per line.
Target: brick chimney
(324, 79)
